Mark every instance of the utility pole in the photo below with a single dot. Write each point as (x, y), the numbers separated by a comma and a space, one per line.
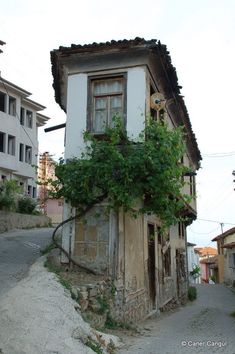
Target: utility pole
(221, 226)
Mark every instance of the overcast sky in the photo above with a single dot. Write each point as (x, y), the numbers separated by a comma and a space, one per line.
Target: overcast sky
(200, 36)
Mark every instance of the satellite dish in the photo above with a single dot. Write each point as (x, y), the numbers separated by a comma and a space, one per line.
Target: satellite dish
(157, 101)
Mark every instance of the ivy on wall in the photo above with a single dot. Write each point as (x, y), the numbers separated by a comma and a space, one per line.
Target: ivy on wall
(127, 173)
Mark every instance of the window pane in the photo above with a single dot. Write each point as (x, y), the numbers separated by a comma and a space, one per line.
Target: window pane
(100, 88)
(116, 102)
(114, 86)
(12, 106)
(11, 145)
(115, 113)
(2, 141)
(100, 103)
(100, 119)
(109, 86)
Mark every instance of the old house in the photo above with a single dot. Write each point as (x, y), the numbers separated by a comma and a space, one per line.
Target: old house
(226, 256)
(92, 83)
(48, 205)
(193, 263)
(208, 261)
(20, 119)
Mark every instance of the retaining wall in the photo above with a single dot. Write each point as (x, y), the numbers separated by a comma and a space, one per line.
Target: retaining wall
(10, 221)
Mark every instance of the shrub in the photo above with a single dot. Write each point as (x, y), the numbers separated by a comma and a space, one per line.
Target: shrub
(7, 202)
(26, 205)
(196, 272)
(8, 195)
(192, 293)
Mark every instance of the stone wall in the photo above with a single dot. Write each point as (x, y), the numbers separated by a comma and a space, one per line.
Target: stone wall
(101, 300)
(10, 221)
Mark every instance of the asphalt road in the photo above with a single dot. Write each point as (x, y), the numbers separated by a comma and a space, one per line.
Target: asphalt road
(18, 251)
(203, 326)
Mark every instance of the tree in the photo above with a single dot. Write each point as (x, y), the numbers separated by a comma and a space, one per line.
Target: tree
(127, 172)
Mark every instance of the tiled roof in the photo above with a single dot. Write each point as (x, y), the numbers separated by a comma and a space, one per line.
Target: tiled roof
(225, 234)
(229, 245)
(203, 251)
(171, 86)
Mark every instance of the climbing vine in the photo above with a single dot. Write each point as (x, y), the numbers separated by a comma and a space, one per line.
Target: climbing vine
(144, 172)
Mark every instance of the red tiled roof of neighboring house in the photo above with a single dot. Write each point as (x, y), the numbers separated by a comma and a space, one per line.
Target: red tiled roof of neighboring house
(206, 251)
(224, 234)
(229, 245)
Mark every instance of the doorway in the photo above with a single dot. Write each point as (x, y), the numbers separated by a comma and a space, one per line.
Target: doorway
(151, 266)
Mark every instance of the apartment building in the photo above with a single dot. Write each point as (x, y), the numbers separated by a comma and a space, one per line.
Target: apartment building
(19, 123)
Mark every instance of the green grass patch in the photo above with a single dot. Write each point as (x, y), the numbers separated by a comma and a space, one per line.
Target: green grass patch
(96, 347)
(192, 293)
(48, 249)
(52, 268)
(232, 314)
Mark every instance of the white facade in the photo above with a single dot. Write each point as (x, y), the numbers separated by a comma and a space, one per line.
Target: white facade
(19, 122)
(193, 261)
(77, 106)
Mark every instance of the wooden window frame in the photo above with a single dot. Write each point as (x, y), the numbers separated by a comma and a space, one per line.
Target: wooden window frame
(91, 102)
(181, 230)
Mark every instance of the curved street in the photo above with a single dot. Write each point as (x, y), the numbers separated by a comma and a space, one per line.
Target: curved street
(203, 326)
(19, 249)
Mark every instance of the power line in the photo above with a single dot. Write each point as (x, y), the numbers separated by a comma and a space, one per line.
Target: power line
(219, 154)
(218, 222)
(204, 233)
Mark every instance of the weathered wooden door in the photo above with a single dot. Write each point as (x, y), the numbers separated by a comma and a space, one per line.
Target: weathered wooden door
(151, 266)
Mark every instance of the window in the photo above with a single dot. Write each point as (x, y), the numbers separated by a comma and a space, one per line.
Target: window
(107, 102)
(34, 192)
(22, 186)
(192, 186)
(159, 236)
(29, 119)
(2, 102)
(29, 190)
(181, 229)
(22, 115)
(12, 106)
(231, 260)
(2, 142)
(21, 152)
(11, 145)
(28, 154)
(167, 262)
